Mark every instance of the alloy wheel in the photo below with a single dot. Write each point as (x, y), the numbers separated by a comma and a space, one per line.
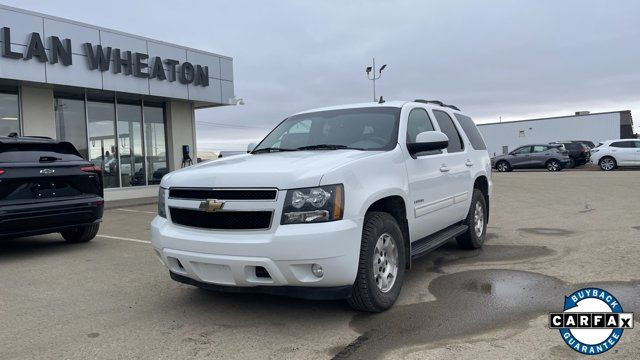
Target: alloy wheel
(607, 164)
(385, 262)
(478, 220)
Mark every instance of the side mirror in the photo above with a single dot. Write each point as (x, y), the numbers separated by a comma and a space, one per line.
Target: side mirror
(251, 146)
(428, 141)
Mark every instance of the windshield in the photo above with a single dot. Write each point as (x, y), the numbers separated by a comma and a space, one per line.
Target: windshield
(361, 129)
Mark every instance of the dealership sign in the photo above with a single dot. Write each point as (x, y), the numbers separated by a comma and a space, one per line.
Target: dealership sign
(105, 58)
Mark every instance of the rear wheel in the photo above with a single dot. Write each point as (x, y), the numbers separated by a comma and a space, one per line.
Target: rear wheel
(81, 233)
(554, 165)
(607, 163)
(476, 221)
(503, 166)
(381, 265)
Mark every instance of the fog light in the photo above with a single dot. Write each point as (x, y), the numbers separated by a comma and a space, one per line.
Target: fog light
(317, 270)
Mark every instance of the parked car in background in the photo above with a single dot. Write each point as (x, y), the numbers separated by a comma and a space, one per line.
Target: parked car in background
(551, 157)
(45, 187)
(614, 153)
(578, 152)
(333, 203)
(587, 143)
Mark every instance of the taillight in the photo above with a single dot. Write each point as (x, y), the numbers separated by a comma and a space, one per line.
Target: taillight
(1, 171)
(92, 168)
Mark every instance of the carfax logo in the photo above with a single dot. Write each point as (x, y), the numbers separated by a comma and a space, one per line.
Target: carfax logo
(592, 321)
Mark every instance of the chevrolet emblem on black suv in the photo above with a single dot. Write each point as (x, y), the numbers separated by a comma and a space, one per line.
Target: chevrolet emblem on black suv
(211, 205)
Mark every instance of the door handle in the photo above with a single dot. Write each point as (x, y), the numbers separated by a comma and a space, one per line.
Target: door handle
(469, 163)
(444, 168)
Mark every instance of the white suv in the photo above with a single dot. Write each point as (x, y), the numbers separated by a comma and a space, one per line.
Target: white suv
(333, 203)
(613, 153)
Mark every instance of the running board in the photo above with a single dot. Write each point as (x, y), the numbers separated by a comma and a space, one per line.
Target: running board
(434, 241)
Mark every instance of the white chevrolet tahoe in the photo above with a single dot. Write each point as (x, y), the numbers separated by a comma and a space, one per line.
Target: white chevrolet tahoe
(333, 203)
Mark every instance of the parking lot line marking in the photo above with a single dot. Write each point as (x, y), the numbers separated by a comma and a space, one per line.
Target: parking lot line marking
(138, 211)
(125, 239)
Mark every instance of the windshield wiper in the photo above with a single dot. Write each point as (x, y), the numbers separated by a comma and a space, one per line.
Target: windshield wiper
(327, 147)
(270, 149)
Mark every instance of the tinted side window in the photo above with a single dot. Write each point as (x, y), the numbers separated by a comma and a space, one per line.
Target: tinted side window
(449, 129)
(472, 132)
(623, 144)
(418, 122)
(522, 150)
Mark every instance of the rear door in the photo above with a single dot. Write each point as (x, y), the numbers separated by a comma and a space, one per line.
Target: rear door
(637, 157)
(43, 172)
(458, 173)
(539, 155)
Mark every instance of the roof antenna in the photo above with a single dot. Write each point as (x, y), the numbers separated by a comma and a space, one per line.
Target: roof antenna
(381, 101)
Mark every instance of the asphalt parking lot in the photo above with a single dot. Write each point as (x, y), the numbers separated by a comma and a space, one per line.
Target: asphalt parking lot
(549, 234)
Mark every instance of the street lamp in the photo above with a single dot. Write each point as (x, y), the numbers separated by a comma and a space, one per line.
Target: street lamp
(373, 76)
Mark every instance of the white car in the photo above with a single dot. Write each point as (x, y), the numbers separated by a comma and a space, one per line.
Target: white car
(333, 203)
(613, 153)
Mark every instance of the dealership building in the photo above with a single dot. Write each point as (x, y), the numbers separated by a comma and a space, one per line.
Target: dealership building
(126, 102)
(503, 137)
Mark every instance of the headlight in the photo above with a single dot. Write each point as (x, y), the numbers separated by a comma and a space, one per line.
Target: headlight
(312, 205)
(162, 209)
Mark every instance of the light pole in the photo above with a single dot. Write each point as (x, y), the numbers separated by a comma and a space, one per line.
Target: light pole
(373, 76)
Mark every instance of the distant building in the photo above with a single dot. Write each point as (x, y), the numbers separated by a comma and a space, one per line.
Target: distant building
(503, 137)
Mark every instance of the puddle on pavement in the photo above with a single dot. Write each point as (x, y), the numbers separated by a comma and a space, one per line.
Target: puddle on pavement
(470, 302)
(450, 254)
(546, 231)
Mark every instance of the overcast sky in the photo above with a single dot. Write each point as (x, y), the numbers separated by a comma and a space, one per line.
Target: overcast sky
(514, 59)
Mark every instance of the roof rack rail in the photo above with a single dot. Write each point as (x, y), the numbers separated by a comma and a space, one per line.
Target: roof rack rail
(437, 102)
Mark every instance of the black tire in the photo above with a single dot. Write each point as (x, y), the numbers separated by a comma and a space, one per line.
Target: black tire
(81, 234)
(503, 166)
(607, 163)
(553, 165)
(471, 239)
(366, 295)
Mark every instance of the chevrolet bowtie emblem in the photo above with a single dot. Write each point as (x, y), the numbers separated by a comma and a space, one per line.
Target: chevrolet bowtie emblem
(211, 205)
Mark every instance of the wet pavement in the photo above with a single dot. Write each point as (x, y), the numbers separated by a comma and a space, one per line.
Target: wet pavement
(549, 234)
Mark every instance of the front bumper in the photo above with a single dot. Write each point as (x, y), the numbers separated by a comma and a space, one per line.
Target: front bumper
(286, 252)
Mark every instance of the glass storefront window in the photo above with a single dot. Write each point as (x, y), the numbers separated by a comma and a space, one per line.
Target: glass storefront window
(132, 170)
(131, 151)
(155, 144)
(70, 123)
(102, 140)
(9, 113)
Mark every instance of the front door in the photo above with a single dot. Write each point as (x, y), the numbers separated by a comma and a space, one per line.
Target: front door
(624, 152)
(520, 157)
(428, 185)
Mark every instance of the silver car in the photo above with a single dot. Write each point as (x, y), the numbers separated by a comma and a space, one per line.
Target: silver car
(542, 156)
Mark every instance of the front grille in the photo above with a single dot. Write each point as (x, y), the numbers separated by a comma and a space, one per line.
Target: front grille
(222, 220)
(223, 194)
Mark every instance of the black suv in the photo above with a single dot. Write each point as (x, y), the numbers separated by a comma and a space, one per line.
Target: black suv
(45, 187)
(578, 152)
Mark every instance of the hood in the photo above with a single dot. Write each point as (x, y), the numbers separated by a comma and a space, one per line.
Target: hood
(283, 170)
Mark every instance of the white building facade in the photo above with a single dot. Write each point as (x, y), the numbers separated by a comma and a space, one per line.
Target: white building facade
(504, 137)
(126, 102)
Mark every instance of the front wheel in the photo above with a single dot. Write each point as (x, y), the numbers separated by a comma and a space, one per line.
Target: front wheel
(554, 165)
(607, 163)
(381, 265)
(81, 233)
(476, 222)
